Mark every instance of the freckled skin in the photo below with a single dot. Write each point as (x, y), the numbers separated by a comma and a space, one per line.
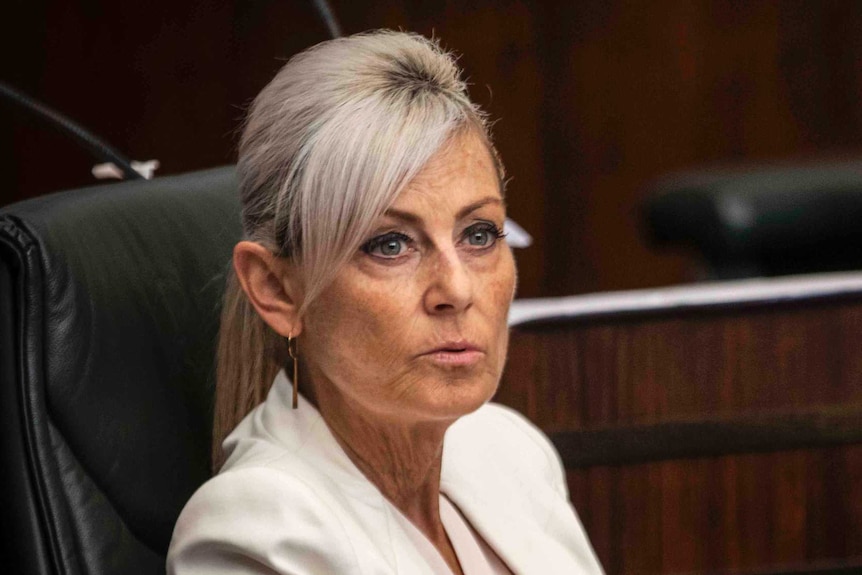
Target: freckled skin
(365, 335)
(365, 341)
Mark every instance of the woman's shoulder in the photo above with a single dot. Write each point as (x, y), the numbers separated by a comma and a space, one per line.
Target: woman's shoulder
(259, 494)
(251, 486)
(242, 521)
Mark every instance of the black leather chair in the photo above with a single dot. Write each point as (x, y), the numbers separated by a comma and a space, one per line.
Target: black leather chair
(762, 220)
(109, 307)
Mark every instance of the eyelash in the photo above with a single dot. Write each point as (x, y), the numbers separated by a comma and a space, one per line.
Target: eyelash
(489, 227)
(378, 241)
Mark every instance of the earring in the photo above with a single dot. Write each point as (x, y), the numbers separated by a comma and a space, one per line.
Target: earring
(293, 351)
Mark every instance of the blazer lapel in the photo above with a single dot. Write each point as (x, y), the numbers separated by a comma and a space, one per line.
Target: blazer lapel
(516, 540)
(529, 525)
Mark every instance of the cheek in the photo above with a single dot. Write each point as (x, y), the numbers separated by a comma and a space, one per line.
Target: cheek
(498, 290)
(501, 284)
(356, 328)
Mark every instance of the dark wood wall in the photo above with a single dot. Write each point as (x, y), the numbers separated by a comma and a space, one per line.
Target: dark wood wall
(709, 441)
(593, 98)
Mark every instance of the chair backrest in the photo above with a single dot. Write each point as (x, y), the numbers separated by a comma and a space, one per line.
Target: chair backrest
(765, 220)
(109, 306)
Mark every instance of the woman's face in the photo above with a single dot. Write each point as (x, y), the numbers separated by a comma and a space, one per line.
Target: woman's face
(414, 327)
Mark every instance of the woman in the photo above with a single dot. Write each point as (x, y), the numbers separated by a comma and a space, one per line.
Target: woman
(373, 211)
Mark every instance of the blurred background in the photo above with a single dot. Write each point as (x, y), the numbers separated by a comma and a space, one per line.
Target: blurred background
(595, 103)
(593, 100)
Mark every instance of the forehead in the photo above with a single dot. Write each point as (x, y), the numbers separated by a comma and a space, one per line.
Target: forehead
(462, 171)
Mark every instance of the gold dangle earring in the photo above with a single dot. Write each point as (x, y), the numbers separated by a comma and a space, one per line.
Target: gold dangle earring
(293, 351)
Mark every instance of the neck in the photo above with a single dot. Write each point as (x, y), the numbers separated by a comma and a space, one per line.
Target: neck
(402, 459)
(404, 463)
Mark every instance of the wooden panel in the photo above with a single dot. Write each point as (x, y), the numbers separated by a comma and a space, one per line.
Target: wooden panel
(746, 513)
(706, 436)
(622, 371)
(789, 369)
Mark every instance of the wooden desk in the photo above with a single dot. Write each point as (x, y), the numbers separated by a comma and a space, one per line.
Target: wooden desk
(713, 428)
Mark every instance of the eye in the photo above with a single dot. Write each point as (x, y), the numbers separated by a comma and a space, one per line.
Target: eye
(483, 235)
(388, 246)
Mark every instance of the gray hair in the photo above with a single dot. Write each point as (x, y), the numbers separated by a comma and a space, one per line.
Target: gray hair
(335, 137)
(327, 147)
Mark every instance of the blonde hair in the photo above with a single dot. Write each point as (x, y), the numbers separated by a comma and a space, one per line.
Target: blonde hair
(327, 147)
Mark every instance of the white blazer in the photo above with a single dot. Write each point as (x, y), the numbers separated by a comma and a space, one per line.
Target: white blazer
(289, 501)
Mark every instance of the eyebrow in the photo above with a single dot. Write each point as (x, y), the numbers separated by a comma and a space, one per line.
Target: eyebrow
(463, 212)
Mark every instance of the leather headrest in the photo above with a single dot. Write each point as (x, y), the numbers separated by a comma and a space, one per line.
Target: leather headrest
(130, 278)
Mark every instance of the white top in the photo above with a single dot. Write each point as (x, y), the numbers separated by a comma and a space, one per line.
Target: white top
(290, 501)
(474, 555)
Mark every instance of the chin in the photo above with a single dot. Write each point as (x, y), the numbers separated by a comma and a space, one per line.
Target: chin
(454, 397)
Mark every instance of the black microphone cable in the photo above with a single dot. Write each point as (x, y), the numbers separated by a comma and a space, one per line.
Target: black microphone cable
(97, 147)
(324, 10)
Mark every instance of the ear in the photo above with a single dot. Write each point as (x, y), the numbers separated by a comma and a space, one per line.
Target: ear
(271, 288)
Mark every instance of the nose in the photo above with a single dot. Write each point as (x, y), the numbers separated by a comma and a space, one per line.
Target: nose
(450, 284)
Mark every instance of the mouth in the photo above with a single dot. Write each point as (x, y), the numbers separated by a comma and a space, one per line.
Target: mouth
(456, 353)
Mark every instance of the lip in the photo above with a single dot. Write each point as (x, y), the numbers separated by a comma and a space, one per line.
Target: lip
(455, 353)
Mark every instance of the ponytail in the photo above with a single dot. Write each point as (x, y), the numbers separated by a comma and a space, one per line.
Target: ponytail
(249, 355)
